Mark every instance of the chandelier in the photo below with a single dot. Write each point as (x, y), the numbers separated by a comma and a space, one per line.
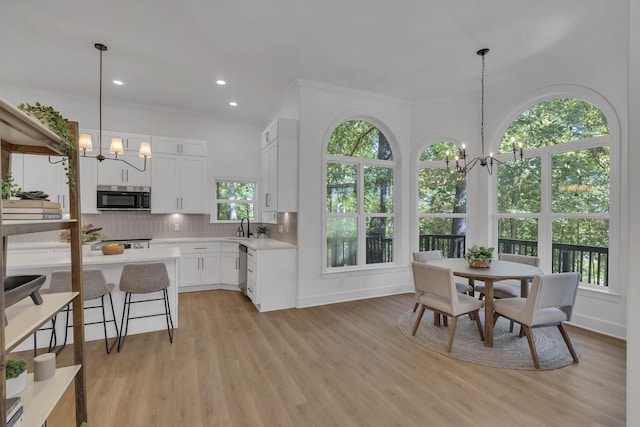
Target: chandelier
(462, 165)
(116, 147)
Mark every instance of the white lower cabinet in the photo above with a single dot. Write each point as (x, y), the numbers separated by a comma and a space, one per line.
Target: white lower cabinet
(199, 264)
(230, 264)
(271, 278)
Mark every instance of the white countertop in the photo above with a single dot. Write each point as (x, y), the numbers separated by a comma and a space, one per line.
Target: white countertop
(257, 244)
(61, 259)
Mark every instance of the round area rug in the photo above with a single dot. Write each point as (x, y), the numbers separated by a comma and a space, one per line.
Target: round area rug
(509, 350)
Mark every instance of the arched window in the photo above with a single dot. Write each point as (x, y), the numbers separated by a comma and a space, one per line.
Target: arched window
(359, 197)
(555, 203)
(442, 202)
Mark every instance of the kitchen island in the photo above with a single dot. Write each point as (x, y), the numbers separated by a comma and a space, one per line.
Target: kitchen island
(47, 262)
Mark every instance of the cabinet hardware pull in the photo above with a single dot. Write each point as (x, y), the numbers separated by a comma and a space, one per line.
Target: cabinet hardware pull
(177, 203)
(202, 263)
(249, 270)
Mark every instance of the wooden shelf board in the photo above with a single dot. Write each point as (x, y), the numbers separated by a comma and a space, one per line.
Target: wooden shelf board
(40, 397)
(15, 227)
(25, 317)
(17, 130)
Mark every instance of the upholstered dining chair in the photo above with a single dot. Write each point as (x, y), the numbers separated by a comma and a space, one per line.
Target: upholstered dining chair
(425, 256)
(144, 279)
(509, 288)
(550, 303)
(439, 295)
(94, 286)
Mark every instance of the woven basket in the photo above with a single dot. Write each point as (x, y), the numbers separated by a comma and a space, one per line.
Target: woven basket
(480, 263)
(113, 250)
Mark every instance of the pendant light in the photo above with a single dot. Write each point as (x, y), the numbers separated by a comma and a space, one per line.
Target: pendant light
(116, 147)
(462, 166)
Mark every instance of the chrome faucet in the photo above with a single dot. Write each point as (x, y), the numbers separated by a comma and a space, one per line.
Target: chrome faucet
(248, 227)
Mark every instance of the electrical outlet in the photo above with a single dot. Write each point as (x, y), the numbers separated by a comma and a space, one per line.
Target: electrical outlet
(280, 228)
(176, 227)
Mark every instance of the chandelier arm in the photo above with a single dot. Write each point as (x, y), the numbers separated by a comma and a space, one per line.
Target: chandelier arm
(144, 168)
(55, 163)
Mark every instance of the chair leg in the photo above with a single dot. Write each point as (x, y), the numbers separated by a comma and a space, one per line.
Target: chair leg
(567, 341)
(415, 306)
(124, 327)
(445, 320)
(476, 315)
(418, 320)
(481, 297)
(511, 326)
(452, 331)
(496, 315)
(532, 346)
(104, 324)
(54, 337)
(167, 312)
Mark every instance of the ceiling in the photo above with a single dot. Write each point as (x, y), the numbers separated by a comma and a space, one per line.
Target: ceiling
(170, 53)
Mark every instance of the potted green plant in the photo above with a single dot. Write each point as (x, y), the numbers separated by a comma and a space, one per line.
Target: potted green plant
(9, 187)
(479, 256)
(262, 231)
(56, 123)
(16, 376)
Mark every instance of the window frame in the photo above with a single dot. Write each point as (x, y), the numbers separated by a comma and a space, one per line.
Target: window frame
(214, 180)
(434, 164)
(546, 216)
(361, 216)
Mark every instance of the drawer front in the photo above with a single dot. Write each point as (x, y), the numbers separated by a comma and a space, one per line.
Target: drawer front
(190, 248)
(230, 247)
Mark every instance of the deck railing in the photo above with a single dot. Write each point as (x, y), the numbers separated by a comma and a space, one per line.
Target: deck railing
(590, 261)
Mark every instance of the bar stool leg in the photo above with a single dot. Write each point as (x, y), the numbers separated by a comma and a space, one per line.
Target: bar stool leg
(167, 312)
(104, 324)
(124, 328)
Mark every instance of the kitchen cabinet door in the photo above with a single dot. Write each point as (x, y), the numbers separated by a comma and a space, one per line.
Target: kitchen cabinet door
(192, 187)
(279, 167)
(187, 147)
(164, 185)
(209, 268)
(229, 266)
(178, 184)
(189, 270)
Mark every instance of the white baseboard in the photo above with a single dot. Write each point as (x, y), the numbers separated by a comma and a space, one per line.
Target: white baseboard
(601, 326)
(352, 295)
(208, 288)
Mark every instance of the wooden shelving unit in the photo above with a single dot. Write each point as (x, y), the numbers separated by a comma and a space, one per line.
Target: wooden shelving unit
(20, 133)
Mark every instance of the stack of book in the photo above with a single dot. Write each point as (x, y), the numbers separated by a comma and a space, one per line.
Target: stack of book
(30, 209)
(15, 412)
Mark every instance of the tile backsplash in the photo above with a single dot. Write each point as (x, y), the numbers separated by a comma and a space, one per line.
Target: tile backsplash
(130, 225)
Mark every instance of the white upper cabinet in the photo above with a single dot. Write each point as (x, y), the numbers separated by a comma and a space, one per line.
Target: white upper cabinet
(279, 174)
(178, 180)
(112, 172)
(185, 147)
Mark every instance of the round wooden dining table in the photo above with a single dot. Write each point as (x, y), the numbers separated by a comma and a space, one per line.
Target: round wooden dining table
(497, 270)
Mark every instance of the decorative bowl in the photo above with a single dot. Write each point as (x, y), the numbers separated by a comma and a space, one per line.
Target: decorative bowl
(480, 263)
(19, 287)
(113, 249)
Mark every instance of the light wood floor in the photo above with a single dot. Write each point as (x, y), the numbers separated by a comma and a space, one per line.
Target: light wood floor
(342, 364)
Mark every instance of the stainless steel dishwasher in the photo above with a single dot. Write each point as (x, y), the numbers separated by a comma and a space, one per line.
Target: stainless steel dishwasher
(242, 276)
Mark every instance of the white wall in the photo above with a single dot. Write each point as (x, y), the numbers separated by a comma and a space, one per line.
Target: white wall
(233, 147)
(321, 110)
(633, 317)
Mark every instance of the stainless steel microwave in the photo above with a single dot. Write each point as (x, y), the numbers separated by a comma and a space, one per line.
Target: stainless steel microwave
(123, 198)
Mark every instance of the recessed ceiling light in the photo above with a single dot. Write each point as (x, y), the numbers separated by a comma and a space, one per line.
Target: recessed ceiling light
(118, 82)
(221, 82)
(233, 103)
